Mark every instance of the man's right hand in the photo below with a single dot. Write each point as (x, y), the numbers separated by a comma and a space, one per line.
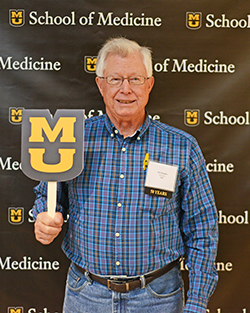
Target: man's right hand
(48, 228)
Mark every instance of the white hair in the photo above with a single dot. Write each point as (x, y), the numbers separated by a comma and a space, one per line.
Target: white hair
(123, 47)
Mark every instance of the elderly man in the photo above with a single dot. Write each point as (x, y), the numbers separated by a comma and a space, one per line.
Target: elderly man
(125, 234)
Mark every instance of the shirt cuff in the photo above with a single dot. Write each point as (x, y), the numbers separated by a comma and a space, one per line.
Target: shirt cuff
(195, 306)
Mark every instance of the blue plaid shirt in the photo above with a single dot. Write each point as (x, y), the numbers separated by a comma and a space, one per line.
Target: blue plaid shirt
(114, 228)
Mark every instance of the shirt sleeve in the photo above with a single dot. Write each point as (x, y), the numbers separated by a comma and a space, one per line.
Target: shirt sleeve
(199, 225)
(40, 204)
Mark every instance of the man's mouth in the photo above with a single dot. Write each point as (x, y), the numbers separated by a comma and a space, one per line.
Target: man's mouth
(125, 101)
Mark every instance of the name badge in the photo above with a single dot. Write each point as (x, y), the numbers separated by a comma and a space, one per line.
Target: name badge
(160, 179)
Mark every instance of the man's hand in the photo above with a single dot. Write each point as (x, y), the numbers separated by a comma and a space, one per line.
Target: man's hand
(48, 228)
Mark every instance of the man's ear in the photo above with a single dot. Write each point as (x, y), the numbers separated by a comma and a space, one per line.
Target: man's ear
(151, 83)
(99, 83)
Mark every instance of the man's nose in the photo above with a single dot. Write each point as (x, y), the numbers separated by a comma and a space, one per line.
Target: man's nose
(125, 86)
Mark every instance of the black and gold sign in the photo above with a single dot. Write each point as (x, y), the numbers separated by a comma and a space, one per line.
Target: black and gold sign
(90, 64)
(15, 310)
(158, 192)
(192, 117)
(193, 20)
(16, 17)
(15, 115)
(52, 148)
(16, 215)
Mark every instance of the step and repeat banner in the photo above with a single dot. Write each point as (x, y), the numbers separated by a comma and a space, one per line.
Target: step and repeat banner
(201, 59)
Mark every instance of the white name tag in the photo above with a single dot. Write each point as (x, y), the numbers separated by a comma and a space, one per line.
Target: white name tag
(160, 179)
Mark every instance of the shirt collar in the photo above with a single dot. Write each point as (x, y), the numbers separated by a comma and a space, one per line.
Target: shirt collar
(139, 133)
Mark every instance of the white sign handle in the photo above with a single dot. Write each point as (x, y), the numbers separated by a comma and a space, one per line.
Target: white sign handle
(51, 198)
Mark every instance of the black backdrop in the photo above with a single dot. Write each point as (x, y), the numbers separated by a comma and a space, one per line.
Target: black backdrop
(201, 67)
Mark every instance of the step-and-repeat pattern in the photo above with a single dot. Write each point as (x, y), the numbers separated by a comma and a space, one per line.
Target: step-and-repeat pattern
(201, 66)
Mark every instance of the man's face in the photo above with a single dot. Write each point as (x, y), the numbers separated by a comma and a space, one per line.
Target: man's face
(127, 101)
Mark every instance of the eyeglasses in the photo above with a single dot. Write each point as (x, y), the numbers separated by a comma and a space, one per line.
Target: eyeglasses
(118, 80)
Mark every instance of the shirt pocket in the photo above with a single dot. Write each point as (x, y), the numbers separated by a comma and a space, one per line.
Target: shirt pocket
(155, 205)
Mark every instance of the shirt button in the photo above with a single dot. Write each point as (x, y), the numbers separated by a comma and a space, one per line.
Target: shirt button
(116, 131)
(138, 138)
(112, 135)
(119, 205)
(117, 234)
(123, 149)
(121, 176)
(117, 263)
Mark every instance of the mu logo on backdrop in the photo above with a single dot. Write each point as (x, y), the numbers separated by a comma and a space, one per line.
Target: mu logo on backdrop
(90, 64)
(16, 215)
(16, 17)
(15, 310)
(52, 147)
(193, 20)
(192, 117)
(15, 115)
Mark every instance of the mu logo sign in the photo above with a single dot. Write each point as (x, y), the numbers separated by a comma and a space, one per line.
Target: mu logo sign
(52, 148)
(16, 17)
(192, 117)
(90, 64)
(193, 20)
(15, 310)
(15, 115)
(16, 215)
